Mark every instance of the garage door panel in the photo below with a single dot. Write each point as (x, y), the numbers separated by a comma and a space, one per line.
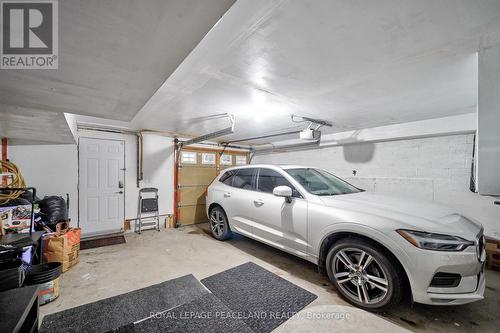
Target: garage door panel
(196, 171)
(196, 175)
(192, 214)
(193, 195)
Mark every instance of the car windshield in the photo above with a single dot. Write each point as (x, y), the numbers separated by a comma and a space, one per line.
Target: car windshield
(320, 182)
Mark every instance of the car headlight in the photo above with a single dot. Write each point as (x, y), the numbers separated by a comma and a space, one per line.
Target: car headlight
(436, 242)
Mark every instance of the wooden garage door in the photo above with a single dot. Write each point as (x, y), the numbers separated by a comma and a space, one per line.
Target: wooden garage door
(197, 169)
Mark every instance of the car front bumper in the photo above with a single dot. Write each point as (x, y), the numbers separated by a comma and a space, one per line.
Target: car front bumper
(427, 263)
(457, 299)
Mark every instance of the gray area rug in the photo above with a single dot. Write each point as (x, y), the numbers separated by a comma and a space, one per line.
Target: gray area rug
(114, 312)
(246, 298)
(264, 299)
(205, 314)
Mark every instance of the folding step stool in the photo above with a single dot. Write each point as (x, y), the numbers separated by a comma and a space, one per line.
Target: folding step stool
(147, 212)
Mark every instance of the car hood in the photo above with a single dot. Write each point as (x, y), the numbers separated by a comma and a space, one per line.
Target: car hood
(410, 213)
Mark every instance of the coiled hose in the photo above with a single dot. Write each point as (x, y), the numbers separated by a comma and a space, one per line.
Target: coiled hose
(15, 181)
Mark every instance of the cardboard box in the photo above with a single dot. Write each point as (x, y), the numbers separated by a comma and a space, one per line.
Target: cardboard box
(493, 253)
(62, 246)
(492, 247)
(16, 218)
(494, 261)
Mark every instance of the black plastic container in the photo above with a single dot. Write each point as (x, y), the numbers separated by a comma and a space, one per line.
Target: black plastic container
(43, 273)
(47, 277)
(11, 274)
(9, 254)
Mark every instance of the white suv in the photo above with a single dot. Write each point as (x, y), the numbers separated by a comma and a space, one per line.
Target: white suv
(374, 247)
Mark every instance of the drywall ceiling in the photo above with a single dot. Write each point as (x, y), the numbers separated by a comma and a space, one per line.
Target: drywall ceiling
(356, 63)
(113, 56)
(32, 126)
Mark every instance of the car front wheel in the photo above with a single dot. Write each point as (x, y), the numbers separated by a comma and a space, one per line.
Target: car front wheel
(364, 274)
(219, 226)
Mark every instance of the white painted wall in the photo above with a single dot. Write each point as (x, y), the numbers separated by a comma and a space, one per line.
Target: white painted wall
(488, 120)
(435, 168)
(53, 169)
(159, 169)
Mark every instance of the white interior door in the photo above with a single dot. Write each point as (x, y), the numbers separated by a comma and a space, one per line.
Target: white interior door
(101, 185)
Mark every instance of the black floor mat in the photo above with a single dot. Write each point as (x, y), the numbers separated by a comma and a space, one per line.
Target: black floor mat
(251, 290)
(114, 312)
(246, 298)
(206, 314)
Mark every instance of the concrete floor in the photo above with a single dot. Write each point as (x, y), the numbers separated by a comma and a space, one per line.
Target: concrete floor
(154, 257)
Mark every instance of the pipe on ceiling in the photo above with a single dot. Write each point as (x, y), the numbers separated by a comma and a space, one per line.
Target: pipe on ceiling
(285, 147)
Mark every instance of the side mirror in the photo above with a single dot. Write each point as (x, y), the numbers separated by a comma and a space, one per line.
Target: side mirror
(283, 191)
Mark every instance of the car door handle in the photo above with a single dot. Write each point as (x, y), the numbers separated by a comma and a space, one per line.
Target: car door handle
(119, 192)
(227, 195)
(258, 202)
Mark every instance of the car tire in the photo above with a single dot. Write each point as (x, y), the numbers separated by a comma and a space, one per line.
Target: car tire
(218, 223)
(364, 274)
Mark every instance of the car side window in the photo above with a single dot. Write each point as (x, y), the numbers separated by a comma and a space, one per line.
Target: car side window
(244, 179)
(227, 177)
(269, 179)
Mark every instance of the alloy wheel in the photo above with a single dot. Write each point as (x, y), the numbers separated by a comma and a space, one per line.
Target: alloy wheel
(360, 276)
(217, 222)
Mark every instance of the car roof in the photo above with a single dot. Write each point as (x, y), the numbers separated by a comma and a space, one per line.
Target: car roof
(293, 166)
(279, 166)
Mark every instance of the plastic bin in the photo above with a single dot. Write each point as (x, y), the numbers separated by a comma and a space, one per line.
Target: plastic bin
(11, 274)
(47, 277)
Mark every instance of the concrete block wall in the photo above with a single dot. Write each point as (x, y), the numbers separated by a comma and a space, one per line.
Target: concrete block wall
(433, 168)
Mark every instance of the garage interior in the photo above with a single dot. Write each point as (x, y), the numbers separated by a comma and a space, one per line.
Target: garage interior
(395, 97)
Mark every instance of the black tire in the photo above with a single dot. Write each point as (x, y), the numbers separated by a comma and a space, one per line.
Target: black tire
(361, 281)
(218, 224)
